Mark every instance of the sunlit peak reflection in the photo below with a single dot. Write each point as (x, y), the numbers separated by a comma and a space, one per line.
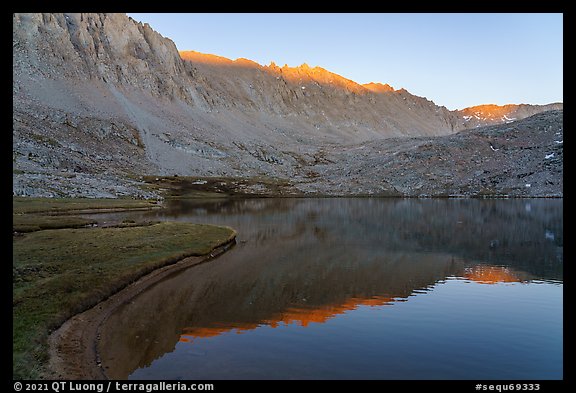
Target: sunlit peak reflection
(301, 316)
(484, 274)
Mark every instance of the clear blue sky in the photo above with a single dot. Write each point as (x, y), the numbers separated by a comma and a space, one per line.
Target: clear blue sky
(455, 60)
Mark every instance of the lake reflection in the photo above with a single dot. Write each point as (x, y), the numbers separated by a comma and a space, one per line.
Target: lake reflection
(355, 288)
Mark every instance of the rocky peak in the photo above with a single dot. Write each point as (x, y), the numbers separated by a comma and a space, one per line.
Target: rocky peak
(111, 48)
(491, 114)
(204, 58)
(378, 87)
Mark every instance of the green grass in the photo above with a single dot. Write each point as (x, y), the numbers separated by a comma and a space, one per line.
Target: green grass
(58, 205)
(60, 272)
(36, 222)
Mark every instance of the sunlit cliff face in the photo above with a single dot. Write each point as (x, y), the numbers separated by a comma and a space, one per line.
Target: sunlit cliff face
(490, 274)
(302, 74)
(206, 58)
(301, 316)
(307, 77)
(487, 111)
(490, 112)
(378, 87)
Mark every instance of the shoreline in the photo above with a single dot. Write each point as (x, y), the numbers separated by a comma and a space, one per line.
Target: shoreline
(73, 347)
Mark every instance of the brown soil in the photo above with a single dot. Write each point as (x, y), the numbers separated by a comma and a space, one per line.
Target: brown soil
(73, 347)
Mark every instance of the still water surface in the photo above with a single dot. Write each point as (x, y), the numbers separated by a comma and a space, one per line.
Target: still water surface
(355, 289)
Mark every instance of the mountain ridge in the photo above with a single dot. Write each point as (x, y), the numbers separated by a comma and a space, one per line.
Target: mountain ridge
(319, 74)
(100, 99)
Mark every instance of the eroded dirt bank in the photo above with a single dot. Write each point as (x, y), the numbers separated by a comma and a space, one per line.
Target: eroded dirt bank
(73, 347)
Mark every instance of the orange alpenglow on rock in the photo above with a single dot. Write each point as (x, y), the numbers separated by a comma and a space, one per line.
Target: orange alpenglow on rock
(207, 58)
(378, 87)
(300, 316)
(488, 110)
(305, 73)
(300, 74)
(493, 112)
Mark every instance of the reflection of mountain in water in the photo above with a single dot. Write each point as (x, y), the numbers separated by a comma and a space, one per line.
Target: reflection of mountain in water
(491, 274)
(302, 315)
(524, 233)
(308, 261)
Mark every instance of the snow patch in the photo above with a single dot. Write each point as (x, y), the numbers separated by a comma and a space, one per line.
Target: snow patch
(548, 156)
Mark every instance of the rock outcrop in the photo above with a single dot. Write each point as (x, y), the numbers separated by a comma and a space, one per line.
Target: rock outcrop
(483, 115)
